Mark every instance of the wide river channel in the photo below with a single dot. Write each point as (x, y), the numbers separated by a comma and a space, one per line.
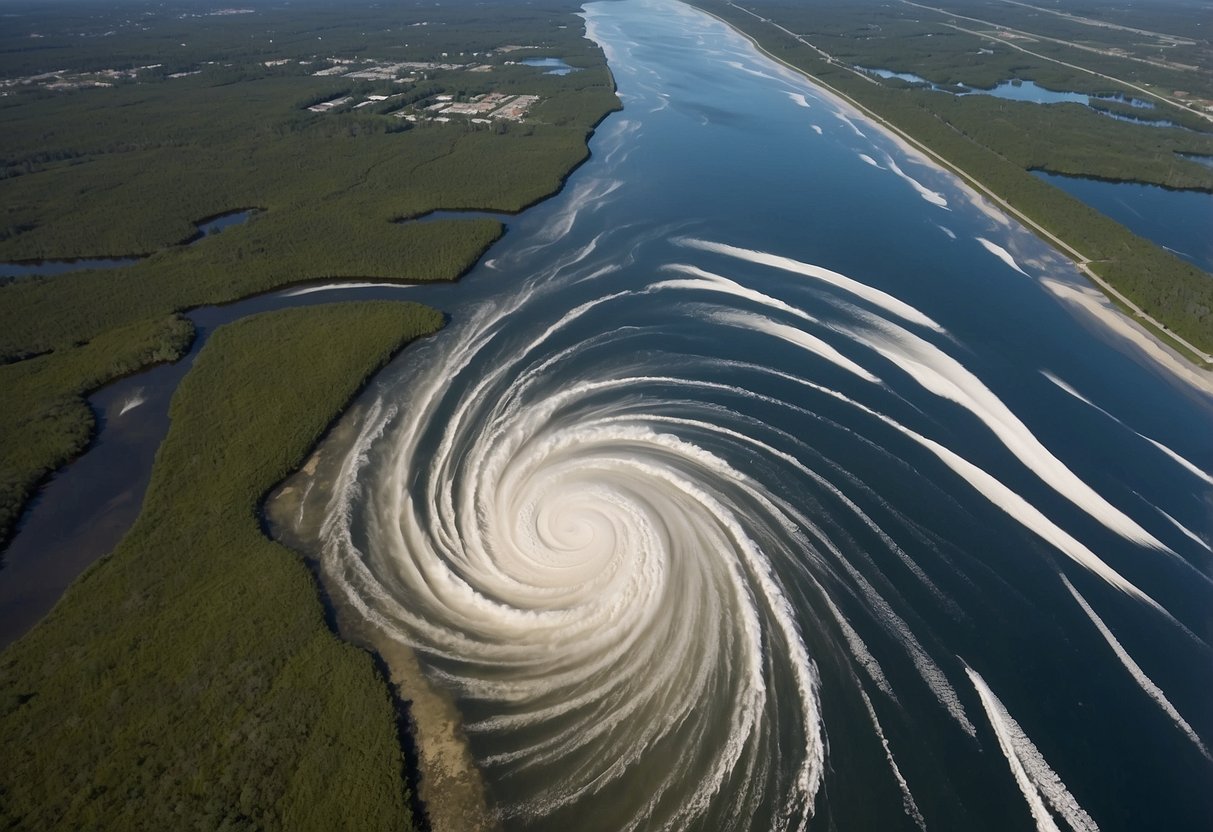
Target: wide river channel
(768, 478)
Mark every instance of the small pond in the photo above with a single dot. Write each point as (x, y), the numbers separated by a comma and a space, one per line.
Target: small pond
(1017, 90)
(1179, 221)
(555, 66)
(217, 223)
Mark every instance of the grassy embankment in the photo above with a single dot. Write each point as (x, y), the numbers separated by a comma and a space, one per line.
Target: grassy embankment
(998, 142)
(129, 169)
(190, 680)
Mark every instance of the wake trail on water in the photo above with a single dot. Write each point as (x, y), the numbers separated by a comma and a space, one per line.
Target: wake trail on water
(1143, 681)
(1185, 463)
(1041, 787)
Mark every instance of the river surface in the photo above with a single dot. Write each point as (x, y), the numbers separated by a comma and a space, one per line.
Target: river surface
(764, 478)
(554, 66)
(767, 478)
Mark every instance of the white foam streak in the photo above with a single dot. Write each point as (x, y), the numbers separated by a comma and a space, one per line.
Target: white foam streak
(946, 377)
(907, 799)
(1184, 462)
(796, 337)
(872, 295)
(710, 282)
(1185, 530)
(133, 400)
(1139, 676)
(841, 116)
(1037, 781)
(1016, 506)
(1002, 254)
(588, 192)
(869, 160)
(933, 197)
(860, 650)
(894, 624)
(1031, 517)
(346, 284)
(739, 66)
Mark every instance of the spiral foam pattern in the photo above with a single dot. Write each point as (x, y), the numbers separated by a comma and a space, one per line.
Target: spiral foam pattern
(592, 542)
(702, 536)
(600, 582)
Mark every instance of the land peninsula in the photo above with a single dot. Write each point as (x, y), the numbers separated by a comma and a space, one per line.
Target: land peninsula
(190, 677)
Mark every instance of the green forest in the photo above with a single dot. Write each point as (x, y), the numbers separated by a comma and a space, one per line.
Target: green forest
(130, 169)
(189, 679)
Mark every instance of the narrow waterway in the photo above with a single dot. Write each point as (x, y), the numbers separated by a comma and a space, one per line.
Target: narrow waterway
(205, 228)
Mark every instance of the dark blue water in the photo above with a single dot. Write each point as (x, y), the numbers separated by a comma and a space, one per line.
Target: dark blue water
(1180, 221)
(555, 66)
(767, 478)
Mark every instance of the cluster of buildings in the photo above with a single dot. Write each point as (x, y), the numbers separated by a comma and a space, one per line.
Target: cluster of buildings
(480, 109)
(62, 79)
(372, 71)
(325, 106)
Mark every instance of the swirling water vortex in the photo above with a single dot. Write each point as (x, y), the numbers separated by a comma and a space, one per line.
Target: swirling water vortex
(598, 585)
(664, 512)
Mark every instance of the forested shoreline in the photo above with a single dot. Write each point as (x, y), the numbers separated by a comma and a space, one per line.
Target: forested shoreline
(189, 679)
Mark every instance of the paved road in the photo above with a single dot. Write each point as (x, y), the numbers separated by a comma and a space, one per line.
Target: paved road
(1006, 42)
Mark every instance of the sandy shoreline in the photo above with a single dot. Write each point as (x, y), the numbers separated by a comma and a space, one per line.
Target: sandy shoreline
(439, 766)
(449, 783)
